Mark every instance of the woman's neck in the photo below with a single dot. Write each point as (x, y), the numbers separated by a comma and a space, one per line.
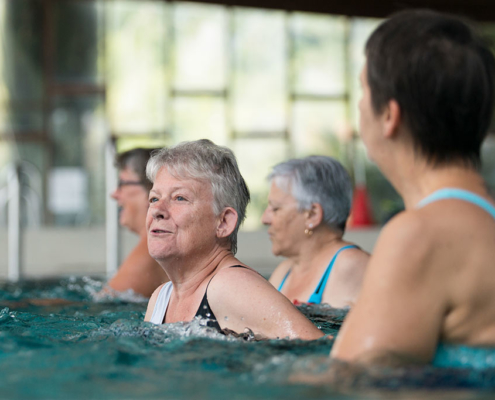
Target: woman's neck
(416, 182)
(323, 241)
(187, 274)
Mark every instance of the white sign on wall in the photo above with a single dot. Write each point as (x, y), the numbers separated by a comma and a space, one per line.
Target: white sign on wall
(67, 190)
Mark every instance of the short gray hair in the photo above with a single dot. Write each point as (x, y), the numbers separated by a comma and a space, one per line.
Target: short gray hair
(204, 160)
(317, 179)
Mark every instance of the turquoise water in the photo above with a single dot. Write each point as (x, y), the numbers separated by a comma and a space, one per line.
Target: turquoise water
(104, 350)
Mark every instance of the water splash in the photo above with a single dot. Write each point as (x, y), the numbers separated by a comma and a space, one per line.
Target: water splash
(60, 349)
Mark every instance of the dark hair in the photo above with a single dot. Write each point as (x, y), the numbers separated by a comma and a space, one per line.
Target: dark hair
(441, 73)
(136, 160)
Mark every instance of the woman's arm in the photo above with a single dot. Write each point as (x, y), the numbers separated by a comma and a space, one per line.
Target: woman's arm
(400, 310)
(242, 299)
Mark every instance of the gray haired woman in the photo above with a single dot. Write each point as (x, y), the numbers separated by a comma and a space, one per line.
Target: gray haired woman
(196, 206)
(308, 206)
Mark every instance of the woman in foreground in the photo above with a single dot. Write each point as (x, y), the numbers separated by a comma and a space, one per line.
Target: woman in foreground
(308, 206)
(428, 98)
(196, 206)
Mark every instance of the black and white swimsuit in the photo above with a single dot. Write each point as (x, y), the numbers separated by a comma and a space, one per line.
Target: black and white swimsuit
(204, 310)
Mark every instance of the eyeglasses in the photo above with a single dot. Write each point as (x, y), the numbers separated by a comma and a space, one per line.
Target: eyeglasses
(128, 183)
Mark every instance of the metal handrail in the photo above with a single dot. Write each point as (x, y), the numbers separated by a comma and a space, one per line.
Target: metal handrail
(14, 222)
(112, 229)
(23, 181)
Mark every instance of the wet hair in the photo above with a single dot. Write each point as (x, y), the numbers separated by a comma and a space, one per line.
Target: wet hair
(317, 179)
(136, 160)
(204, 160)
(441, 73)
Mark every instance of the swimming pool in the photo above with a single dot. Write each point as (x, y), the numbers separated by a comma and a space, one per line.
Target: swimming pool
(104, 350)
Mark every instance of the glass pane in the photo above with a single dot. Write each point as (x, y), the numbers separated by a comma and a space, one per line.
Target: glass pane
(21, 82)
(361, 28)
(6, 156)
(256, 157)
(200, 46)
(385, 201)
(319, 128)
(76, 182)
(22, 116)
(200, 118)
(78, 38)
(259, 92)
(138, 82)
(319, 54)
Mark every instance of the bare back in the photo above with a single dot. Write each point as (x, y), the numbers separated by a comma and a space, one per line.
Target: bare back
(430, 280)
(467, 270)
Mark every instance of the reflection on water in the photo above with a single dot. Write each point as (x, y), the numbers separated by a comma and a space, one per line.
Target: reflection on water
(85, 349)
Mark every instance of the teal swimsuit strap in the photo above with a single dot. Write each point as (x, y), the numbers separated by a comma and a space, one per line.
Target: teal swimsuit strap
(283, 280)
(460, 194)
(317, 295)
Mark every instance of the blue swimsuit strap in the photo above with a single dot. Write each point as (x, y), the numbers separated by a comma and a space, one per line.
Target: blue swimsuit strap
(317, 295)
(460, 194)
(283, 281)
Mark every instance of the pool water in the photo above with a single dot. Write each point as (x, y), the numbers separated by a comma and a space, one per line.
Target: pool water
(90, 349)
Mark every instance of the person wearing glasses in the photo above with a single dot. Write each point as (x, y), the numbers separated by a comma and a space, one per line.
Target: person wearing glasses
(139, 271)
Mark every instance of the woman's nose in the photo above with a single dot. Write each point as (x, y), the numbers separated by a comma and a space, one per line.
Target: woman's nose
(158, 210)
(115, 194)
(266, 217)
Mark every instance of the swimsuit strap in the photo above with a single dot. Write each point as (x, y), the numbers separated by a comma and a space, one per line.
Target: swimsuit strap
(460, 194)
(205, 311)
(283, 280)
(161, 303)
(317, 295)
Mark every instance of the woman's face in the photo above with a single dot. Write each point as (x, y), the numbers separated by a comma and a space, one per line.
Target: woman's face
(286, 224)
(180, 221)
(132, 199)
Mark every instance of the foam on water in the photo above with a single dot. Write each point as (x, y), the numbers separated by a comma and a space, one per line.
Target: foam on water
(87, 349)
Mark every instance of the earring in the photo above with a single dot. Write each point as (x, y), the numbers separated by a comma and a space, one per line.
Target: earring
(308, 232)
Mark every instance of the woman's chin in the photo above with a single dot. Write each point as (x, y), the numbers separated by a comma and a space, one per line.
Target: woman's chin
(158, 253)
(277, 252)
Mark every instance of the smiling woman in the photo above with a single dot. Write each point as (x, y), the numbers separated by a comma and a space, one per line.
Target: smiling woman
(138, 272)
(196, 206)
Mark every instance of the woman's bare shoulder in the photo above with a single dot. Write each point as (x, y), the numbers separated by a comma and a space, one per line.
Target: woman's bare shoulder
(152, 302)
(353, 259)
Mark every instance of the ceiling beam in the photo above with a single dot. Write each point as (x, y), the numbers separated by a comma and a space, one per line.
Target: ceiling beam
(479, 10)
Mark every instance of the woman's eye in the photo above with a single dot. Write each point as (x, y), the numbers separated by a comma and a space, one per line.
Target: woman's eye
(180, 198)
(153, 200)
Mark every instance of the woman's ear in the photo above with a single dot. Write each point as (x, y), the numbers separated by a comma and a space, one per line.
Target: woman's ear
(314, 216)
(392, 119)
(226, 222)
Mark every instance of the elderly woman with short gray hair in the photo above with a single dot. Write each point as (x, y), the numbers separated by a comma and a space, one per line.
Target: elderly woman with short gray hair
(308, 206)
(196, 206)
